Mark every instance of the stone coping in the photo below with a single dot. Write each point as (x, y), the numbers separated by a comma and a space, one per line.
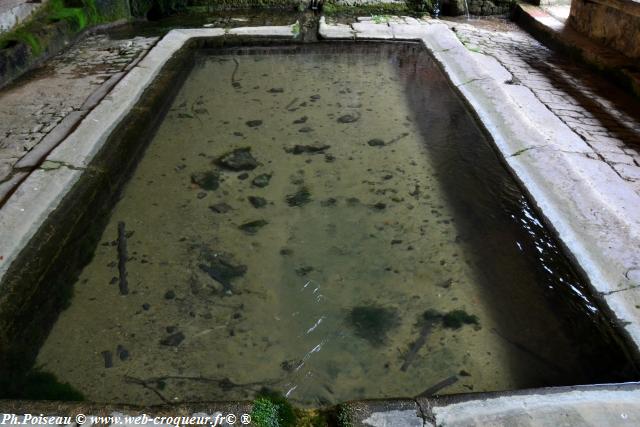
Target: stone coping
(600, 405)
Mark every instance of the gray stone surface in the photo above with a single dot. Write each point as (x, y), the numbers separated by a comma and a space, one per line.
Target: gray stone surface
(31, 109)
(14, 12)
(275, 31)
(578, 408)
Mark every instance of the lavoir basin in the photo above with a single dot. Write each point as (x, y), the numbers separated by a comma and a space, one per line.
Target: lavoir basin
(327, 221)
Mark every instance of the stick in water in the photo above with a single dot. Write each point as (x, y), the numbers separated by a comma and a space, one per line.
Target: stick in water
(122, 259)
(439, 386)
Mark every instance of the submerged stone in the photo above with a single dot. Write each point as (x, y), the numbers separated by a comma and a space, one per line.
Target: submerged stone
(310, 149)
(209, 180)
(375, 142)
(261, 180)
(328, 202)
(222, 268)
(257, 202)
(305, 129)
(220, 208)
(253, 123)
(301, 120)
(373, 323)
(276, 90)
(253, 227)
(173, 340)
(299, 198)
(239, 159)
(349, 118)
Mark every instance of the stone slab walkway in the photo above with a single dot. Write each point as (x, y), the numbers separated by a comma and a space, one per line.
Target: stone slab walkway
(606, 117)
(35, 105)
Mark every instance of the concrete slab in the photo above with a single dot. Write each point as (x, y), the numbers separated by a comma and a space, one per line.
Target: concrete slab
(335, 31)
(275, 31)
(578, 408)
(368, 30)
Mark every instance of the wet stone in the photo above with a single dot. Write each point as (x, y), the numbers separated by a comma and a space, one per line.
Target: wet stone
(308, 149)
(220, 208)
(253, 123)
(261, 180)
(239, 159)
(222, 268)
(301, 120)
(303, 271)
(257, 202)
(328, 202)
(243, 176)
(209, 180)
(276, 90)
(380, 206)
(305, 129)
(173, 340)
(170, 294)
(376, 142)
(201, 195)
(349, 118)
(122, 353)
(299, 198)
(146, 306)
(253, 227)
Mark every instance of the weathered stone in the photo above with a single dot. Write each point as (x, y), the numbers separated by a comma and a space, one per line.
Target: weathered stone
(239, 159)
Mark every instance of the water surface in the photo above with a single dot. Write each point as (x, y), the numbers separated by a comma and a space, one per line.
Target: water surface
(369, 244)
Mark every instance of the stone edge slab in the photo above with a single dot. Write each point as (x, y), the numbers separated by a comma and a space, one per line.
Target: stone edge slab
(41, 192)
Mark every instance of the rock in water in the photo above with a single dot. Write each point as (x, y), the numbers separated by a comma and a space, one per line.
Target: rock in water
(310, 149)
(254, 123)
(173, 340)
(209, 181)
(349, 118)
(238, 160)
(253, 227)
(299, 198)
(261, 180)
(257, 202)
(222, 268)
(220, 208)
(375, 142)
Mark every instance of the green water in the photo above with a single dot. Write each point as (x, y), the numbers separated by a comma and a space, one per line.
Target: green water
(387, 250)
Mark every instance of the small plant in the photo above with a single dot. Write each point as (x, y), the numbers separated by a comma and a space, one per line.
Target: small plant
(343, 417)
(380, 19)
(295, 28)
(271, 409)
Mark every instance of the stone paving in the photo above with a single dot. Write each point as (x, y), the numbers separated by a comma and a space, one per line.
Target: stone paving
(603, 115)
(33, 106)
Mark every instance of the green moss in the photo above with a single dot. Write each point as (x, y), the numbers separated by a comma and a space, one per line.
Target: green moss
(39, 385)
(343, 416)
(331, 8)
(271, 409)
(373, 323)
(457, 318)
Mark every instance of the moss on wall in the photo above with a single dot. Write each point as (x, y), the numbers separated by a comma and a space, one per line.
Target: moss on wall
(333, 7)
(53, 26)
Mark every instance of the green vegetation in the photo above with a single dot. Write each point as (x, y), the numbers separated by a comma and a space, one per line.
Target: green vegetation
(38, 385)
(373, 323)
(296, 28)
(380, 19)
(454, 319)
(331, 8)
(271, 409)
(457, 318)
(343, 416)
(35, 33)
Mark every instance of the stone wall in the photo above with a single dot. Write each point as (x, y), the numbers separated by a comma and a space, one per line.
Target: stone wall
(614, 23)
(13, 12)
(476, 7)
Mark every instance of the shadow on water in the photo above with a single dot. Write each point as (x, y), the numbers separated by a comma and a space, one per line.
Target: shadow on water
(549, 316)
